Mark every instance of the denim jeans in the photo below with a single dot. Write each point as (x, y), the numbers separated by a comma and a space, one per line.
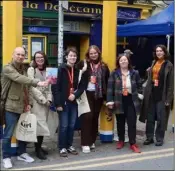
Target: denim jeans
(67, 119)
(11, 120)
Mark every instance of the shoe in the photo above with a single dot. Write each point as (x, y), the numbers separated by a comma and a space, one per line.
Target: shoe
(86, 149)
(63, 152)
(120, 144)
(25, 157)
(7, 163)
(92, 146)
(148, 142)
(135, 148)
(159, 143)
(72, 150)
(40, 154)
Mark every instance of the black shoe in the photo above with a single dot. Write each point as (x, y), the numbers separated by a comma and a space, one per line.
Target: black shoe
(159, 143)
(40, 154)
(148, 142)
(44, 151)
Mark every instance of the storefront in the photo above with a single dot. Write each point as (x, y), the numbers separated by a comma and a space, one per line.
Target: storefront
(82, 26)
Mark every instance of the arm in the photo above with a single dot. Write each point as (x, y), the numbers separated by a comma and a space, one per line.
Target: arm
(170, 86)
(13, 75)
(110, 90)
(56, 89)
(82, 85)
(138, 82)
(49, 94)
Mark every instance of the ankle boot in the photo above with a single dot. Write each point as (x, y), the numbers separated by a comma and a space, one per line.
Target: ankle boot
(38, 149)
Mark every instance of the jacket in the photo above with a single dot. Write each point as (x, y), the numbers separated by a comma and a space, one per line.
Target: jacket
(61, 89)
(168, 89)
(16, 76)
(114, 91)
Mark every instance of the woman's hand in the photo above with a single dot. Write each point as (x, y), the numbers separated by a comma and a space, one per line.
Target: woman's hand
(71, 97)
(59, 109)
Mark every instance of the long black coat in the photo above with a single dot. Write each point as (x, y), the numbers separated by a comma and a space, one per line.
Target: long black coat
(167, 95)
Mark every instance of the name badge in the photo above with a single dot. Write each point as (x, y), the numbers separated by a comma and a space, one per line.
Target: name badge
(156, 83)
(125, 92)
(93, 79)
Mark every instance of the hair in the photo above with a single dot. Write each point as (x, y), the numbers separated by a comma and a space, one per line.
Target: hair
(163, 47)
(46, 63)
(98, 51)
(128, 58)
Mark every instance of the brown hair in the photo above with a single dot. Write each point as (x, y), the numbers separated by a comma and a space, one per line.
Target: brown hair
(128, 58)
(163, 47)
(46, 63)
(98, 51)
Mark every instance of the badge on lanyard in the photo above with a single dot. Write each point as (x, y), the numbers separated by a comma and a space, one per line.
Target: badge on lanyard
(125, 92)
(156, 83)
(93, 79)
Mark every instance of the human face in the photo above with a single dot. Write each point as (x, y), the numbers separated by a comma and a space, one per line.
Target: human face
(93, 54)
(39, 59)
(160, 53)
(71, 58)
(123, 62)
(18, 55)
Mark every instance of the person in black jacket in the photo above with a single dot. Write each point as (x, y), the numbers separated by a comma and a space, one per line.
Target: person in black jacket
(97, 74)
(65, 92)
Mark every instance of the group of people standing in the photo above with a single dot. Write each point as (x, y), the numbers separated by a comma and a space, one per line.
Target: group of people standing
(121, 91)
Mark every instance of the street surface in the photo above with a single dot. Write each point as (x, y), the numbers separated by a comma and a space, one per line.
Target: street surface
(106, 156)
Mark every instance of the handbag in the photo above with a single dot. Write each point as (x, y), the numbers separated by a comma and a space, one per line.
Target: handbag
(82, 101)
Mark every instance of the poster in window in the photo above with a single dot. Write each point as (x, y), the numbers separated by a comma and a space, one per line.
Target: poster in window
(36, 46)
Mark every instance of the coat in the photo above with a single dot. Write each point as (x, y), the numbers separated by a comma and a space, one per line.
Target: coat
(15, 76)
(41, 95)
(168, 91)
(105, 75)
(114, 91)
(61, 89)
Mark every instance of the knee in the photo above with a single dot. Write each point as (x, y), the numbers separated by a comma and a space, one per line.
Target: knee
(63, 128)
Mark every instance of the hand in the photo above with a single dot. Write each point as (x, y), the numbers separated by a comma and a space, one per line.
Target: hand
(167, 104)
(43, 83)
(110, 106)
(48, 103)
(27, 108)
(148, 69)
(59, 109)
(72, 97)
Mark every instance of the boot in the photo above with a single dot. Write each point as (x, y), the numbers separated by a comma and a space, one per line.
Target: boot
(38, 149)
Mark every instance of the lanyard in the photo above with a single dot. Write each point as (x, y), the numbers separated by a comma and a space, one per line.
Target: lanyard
(96, 67)
(71, 76)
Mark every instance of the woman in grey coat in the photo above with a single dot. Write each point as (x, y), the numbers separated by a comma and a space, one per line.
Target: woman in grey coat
(158, 96)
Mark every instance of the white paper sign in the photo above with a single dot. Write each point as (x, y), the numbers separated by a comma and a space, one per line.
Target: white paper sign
(36, 46)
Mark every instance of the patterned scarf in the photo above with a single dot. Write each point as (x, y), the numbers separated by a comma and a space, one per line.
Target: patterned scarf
(98, 86)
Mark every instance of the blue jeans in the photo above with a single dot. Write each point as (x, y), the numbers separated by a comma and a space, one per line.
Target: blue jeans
(67, 119)
(11, 120)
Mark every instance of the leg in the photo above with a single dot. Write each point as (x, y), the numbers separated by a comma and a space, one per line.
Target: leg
(21, 147)
(11, 120)
(97, 108)
(161, 122)
(72, 116)
(38, 149)
(63, 127)
(120, 118)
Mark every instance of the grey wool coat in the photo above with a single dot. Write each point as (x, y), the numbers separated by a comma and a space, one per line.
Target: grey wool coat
(114, 90)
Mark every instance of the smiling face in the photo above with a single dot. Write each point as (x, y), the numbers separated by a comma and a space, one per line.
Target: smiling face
(160, 53)
(93, 54)
(39, 59)
(123, 62)
(71, 58)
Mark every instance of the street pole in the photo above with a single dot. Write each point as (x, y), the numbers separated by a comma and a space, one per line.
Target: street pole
(60, 32)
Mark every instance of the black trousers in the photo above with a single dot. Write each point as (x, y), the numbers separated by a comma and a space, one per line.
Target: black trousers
(157, 113)
(129, 116)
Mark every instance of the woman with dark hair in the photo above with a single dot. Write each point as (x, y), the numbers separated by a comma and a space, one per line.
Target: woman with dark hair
(97, 74)
(67, 89)
(41, 104)
(123, 96)
(158, 96)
